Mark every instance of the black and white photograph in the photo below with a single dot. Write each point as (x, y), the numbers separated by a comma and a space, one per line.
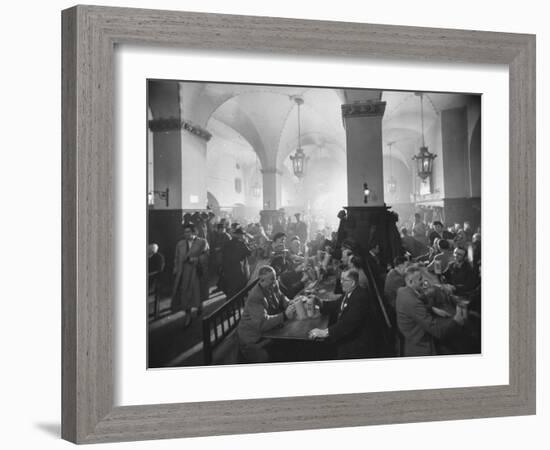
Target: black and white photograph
(298, 223)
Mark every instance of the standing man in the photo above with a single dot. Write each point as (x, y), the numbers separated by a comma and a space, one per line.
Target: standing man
(352, 332)
(419, 230)
(418, 326)
(219, 238)
(265, 308)
(189, 262)
(235, 269)
(300, 230)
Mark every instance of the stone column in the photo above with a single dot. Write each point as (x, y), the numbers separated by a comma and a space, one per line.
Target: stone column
(193, 169)
(271, 178)
(363, 124)
(179, 166)
(460, 202)
(371, 223)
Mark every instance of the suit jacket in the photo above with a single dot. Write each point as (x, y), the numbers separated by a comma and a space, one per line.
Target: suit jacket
(462, 277)
(417, 324)
(235, 268)
(394, 281)
(262, 311)
(352, 333)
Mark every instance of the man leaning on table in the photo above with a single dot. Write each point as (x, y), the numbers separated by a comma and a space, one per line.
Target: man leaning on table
(416, 320)
(265, 308)
(352, 332)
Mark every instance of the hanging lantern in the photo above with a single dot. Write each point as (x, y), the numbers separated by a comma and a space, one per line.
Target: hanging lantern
(298, 162)
(392, 183)
(424, 162)
(299, 158)
(424, 159)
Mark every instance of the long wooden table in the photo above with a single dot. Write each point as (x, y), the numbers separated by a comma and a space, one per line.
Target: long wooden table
(290, 342)
(297, 329)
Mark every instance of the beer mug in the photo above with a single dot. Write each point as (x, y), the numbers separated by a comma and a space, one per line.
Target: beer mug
(300, 309)
(310, 307)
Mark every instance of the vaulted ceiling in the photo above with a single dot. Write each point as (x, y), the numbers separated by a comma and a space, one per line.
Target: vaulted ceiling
(265, 118)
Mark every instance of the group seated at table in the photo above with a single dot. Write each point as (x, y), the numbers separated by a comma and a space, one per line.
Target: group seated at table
(421, 306)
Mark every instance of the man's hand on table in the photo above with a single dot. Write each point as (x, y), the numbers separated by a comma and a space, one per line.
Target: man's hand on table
(317, 333)
(290, 311)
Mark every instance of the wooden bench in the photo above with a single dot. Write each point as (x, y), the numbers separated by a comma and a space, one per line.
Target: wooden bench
(219, 330)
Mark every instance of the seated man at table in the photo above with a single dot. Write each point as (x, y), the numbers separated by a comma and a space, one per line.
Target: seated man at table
(395, 279)
(294, 251)
(280, 257)
(415, 321)
(265, 308)
(460, 273)
(352, 332)
(441, 261)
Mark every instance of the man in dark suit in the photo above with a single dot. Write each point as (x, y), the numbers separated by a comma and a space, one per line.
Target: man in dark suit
(265, 308)
(416, 321)
(352, 332)
(460, 273)
(235, 270)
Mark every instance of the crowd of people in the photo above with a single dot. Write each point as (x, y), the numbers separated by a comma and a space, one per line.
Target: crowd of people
(425, 302)
(227, 254)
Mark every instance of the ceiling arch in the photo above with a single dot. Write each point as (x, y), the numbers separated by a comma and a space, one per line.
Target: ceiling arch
(266, 116)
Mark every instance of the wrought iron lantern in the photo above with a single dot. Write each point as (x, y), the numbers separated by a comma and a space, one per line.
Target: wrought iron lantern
(299, 158)
(424, 162)
(298, 163)
(424, 159)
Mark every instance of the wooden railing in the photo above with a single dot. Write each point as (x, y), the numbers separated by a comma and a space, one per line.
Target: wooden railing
(220, 323)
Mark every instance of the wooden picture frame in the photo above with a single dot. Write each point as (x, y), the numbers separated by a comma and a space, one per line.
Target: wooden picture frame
(89, 36)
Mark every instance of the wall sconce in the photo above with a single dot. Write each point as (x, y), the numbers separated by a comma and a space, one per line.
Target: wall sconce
(162, 195)
(366, 193)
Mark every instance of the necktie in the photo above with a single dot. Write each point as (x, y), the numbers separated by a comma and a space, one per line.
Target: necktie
(344, 303)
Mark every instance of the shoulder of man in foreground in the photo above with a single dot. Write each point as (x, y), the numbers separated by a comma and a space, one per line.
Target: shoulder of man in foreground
(359, 292)
(405, 293)
(256, 294)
